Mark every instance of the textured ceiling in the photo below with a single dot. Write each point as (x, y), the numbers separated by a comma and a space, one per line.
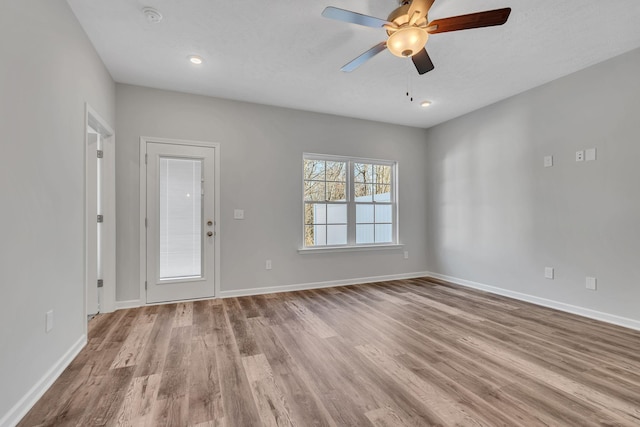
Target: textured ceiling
(282, 52)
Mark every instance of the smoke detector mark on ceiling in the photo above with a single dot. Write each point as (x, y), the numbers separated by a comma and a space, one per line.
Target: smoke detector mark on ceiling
(152, 15)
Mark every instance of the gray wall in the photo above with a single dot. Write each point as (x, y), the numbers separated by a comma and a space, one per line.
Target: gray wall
(48, 70)
(261, 172)
(497, 217)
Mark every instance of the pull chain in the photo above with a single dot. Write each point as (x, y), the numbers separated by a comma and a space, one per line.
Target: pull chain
(409, 84)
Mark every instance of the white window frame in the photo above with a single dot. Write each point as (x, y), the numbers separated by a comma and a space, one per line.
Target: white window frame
(351, 244)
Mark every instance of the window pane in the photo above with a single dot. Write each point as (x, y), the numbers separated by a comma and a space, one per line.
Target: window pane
(364, 233)
(314, 191)
(363, 172)
(336, 171)
(336, 191)
(383, 213)
(363, 192)
(382, 174)
(382, 193)
(336, 234)
(364, 213)
(180, 218)
(314, 169)
(383, 233)
(319, 213)
(336, 214)
(315, 235)
(309, 213)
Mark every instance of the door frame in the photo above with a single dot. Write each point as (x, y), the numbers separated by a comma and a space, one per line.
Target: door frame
(108, 301)
(143, 209)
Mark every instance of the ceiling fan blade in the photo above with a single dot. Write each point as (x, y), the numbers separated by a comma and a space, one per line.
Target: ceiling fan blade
(364, 57)
(422, 6)
(353, 17)
(422, 62)
(473, 20)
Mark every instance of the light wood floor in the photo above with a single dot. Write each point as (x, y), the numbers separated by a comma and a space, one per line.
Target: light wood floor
(411, 352)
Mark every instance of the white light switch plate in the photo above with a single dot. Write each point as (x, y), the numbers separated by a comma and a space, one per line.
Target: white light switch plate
(548, 161)
(548, 272)
(590, 154)
(238, 214)
(591, 283)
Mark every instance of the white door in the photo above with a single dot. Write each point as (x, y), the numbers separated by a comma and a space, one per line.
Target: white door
(180, 222)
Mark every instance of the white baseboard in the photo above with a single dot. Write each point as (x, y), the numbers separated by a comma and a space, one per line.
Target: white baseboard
(133, 303)
(580, 311)
(288, 288)
(319, 285)
(20, 409)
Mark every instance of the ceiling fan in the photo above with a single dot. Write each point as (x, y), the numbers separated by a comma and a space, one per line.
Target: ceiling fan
(408, 28)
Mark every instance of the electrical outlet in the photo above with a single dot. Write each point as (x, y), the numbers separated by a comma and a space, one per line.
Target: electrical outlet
(267, 265)
(548, 273)
(580, 156)
(406, 254)
(548, 161)
(48, 320)
(591, 283)
(238, 214)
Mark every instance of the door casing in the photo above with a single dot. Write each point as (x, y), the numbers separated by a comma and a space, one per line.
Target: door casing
(108, 177)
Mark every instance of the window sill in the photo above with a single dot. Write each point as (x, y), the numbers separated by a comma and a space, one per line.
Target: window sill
(359, 248)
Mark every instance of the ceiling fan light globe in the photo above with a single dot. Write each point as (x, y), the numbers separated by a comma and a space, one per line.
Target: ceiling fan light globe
(407, 41)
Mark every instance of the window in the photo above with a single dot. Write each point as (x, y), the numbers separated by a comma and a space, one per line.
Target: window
(348, 201)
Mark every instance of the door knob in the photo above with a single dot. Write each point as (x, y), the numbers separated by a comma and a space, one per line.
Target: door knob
(209, 223)
(210, 233)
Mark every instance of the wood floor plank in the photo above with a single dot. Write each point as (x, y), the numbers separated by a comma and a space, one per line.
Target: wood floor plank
(138, 402)
(311, 322)
(343, 403)
(617, 408)
(381, 292)
(131, 350)
(386, 417)
(205, 397)
(270, 401)
(415, 352)
(175, 373)
(238, 321)
(444, 407)
(152, 360)
(64, 401)
(184, 314)
(239, 407)
(115, 336)
(249, 307)
(170, 412)
(105, 407)
(305, 406)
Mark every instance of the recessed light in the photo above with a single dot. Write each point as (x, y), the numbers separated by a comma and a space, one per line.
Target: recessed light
(195, 59)
(425, 103)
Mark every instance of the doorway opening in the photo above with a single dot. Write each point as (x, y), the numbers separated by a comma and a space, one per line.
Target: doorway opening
(99, 215)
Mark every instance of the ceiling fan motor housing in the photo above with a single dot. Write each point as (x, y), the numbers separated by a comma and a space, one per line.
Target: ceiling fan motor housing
(405, 35)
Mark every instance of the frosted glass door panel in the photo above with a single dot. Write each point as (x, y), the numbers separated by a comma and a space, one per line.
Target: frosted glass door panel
(180, 211)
